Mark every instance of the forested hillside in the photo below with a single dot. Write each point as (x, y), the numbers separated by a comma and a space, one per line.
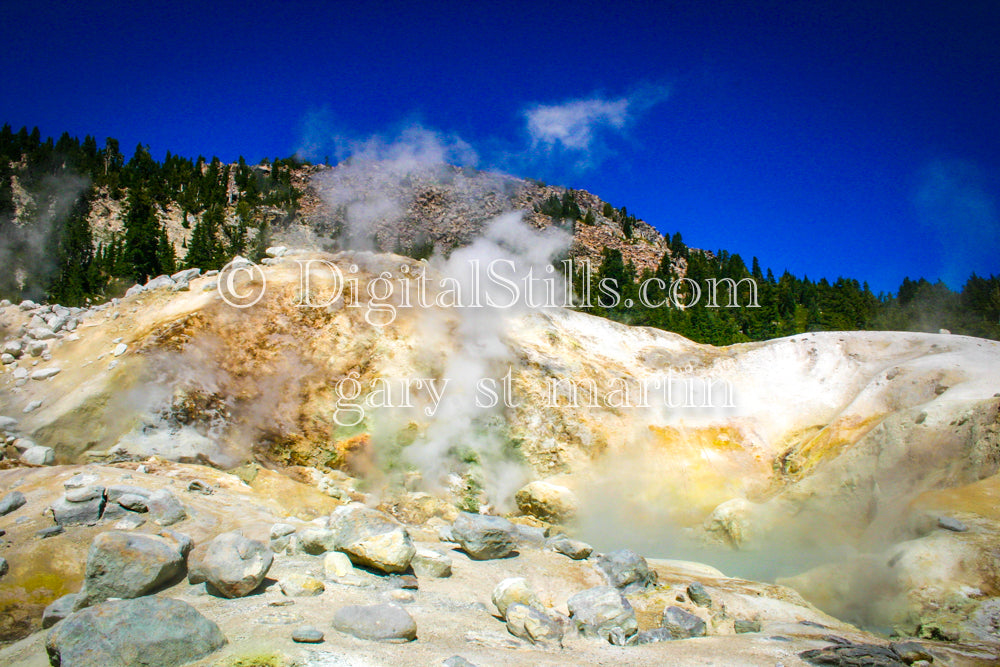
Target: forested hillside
(79, 220)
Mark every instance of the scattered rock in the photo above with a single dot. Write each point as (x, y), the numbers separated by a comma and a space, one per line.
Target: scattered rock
(484, 537)
(574, 549)
(307, 634)
(316, 540)
(32, 406)
(128, 565)
(682, 624)
(597, 611)
(51, 531)
(379, 622)
(45, 373)
(134, 502)
(654, 636)
(59, 610)
(337, 565)
(514, 590)
(281, 536)
(547, 501)
(431, 564)
(124, 633)
(853, 655)
(533, 625)
(699, 595)
(164, 508)
(626, 570)
(371, 538)
(234, 565)
(300, 585)
(86, 513)
(911, 652)
(85, 494)
(952, 524)
(39, 456)
(743, 626)
(198, 486)
(11, 502)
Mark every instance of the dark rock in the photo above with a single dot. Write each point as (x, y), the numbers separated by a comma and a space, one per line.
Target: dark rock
(126, 633)
(164, 508)
(404, 581)
(531, 536)
(198, 486)
(853, 655)
(11, 502)
(307, 634)
(911, 652)
(699, 595)
(128, 565)
(233, 565)
(952, 524)
(484, 537)
(315, 540)
(59, 609)
(682, 624)
(51, 531)
(654, 636)
(743, 626)
(372, 538)
(571, 548)
(596, 611)
(116, 491)
(379, 622)
(134, 502)
(626, 570)
(87, 513)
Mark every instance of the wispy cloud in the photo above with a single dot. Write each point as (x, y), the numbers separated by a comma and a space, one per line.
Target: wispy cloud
(578, 129)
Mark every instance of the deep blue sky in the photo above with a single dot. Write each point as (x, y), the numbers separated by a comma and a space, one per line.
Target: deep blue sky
(827, 138)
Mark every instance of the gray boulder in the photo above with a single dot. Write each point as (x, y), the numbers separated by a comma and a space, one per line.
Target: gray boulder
(699, 595)
(430, 564)
(316, 540)
(371, 538)
(11, 502)
(281, 536)
(682, 624)
(86, 513)
(59, 609)
(128, 565)
(116, 491)
(574, 549)
(164, 508)
(233, 565)
(39, 456)
(599, 611)
(654, 636)
(378, 622)
(128, 633)
(484, 537)
(7, 424)
(626, 570)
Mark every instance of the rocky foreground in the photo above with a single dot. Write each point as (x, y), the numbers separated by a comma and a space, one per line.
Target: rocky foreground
(176, 487)
(169, 564)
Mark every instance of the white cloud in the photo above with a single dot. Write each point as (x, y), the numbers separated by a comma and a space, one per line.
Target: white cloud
(579, 127)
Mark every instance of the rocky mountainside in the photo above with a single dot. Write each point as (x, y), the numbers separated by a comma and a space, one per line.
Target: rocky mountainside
(843, 481)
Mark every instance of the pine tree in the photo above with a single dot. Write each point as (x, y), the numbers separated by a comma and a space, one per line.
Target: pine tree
(142, 236)
(73, 279)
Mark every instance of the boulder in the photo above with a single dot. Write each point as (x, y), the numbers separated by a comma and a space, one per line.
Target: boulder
(599, 611)
(574, 549)
(547, 501)
(626, 570)
(11, 502)
(86, 513)
(134, 503)
(281, 536)
(128, 565)
(430, 564)
(164, 508)
(45, 373)
(39, 455)
(82, 495)
(337, 565)
(533, 625)
(316, 540)
(729, 522)
(682, 624)
(300, 585)
(484, 537)
(742, 626)
(514, 590)
(378, 622)
(654, 636)
(853, 655)
(116, 491)
(234, 565)
(8, 424)
(59, 609)
(125, 633)
(307, 634)
(159, 282)
(372, 538)
(699, 595)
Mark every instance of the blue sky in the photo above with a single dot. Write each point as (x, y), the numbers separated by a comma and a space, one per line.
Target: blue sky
(827, 138)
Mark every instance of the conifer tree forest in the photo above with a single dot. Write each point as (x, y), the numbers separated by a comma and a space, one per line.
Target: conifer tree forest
(230, 209)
